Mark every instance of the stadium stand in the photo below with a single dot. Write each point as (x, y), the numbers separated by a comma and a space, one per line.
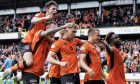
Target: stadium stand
(112, 16)
(86, 18)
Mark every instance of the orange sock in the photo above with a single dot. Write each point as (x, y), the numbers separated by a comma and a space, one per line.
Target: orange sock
(19, 66)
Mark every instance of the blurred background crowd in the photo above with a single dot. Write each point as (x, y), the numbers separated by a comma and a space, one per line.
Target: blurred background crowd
(86, 18)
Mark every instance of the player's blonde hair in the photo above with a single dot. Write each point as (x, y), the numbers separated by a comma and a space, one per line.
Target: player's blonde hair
(75, 26)
(63, 31)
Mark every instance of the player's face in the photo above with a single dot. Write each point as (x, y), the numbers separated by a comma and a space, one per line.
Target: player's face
(116, 40)
(95, 36)
(71, 33)
(52, 9)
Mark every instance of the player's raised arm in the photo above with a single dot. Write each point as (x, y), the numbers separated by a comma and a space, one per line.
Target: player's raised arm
(36, 19)
(54, 30)
(108, 49)
(115, 62)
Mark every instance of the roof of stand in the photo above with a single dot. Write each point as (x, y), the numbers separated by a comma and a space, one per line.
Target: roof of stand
(8, 4)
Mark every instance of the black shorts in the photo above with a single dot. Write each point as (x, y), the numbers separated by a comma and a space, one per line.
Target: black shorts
(54, 80)
(95, 82)
(70, 79)
(24, 47)
(29, 78)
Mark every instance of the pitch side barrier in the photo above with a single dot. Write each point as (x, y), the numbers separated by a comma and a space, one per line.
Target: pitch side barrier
(131, 78)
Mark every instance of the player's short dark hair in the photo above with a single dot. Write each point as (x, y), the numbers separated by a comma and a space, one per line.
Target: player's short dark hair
(48, 4)
(92, 30)
(108, 36)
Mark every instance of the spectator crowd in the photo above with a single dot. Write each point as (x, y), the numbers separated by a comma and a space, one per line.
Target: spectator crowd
(86, 18)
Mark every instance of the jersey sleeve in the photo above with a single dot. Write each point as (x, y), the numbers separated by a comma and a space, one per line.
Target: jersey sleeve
(39, 15)
(55, 47)
(84, 49)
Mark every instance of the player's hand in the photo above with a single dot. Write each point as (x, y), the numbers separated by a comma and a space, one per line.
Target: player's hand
(90, 72)
(49, 17)
(63, 64)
